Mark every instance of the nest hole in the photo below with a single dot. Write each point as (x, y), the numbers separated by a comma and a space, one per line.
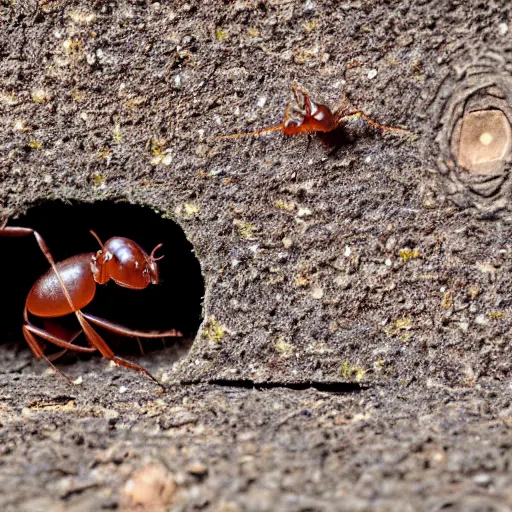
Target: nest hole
(174, 303)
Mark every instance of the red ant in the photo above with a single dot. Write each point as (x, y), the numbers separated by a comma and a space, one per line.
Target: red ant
(68, 286)
(303, 115)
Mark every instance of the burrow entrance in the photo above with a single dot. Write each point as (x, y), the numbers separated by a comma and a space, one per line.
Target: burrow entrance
(174, 303)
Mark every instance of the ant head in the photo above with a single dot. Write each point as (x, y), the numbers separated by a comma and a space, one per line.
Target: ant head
(124, 261)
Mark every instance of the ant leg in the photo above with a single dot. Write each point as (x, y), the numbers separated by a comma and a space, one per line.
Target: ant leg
(358, 114)
(38, 351)
(32, 329)
(28, 332)
(71, 340)
(56, 338)
(297, 90)
(34, 345)
(16, 231)
(251, 134)
(125, 331)
(97, 341)
(56, 356)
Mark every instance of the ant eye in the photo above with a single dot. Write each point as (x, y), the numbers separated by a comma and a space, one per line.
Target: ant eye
(290, 122)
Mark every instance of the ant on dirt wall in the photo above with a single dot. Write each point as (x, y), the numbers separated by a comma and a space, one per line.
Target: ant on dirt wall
(303, 115)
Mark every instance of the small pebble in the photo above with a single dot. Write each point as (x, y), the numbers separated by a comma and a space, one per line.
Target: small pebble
(482, 479)
(481, 320)
(150, 488)
(372, 73)
(19, 125)
(317, 292)
(197, 469)
(304, 212)
(309, 7)
(261, 101)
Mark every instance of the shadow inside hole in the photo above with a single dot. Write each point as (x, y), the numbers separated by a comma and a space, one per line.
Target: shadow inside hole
(175, 303)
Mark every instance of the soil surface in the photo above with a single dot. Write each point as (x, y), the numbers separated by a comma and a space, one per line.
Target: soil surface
(347, 343)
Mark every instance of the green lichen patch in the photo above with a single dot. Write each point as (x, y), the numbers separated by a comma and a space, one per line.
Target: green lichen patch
(284, 348)
(220, 34)
(35, 144)
(351, 372)
(284, 205)
(245, 229)
(496, 315)
(213, 331)
(407, 254)
(447, 300)
(400, 327)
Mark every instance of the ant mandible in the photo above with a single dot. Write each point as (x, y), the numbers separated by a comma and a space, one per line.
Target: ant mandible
(68, 286)
(303, 115)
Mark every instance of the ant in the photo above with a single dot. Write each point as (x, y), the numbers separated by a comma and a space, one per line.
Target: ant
(303, 115)
(68, 286)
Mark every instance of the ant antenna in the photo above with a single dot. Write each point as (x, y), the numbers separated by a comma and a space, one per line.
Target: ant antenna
(152, 255)
(97, 238)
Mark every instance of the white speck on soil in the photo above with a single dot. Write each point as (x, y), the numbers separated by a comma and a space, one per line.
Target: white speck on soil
(317, 292)
(304, 212)
(481, 320)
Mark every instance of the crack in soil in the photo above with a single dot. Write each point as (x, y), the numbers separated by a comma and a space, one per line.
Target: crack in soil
(327, 386)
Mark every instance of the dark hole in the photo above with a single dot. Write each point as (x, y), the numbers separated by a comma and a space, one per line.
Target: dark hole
(175, 303)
